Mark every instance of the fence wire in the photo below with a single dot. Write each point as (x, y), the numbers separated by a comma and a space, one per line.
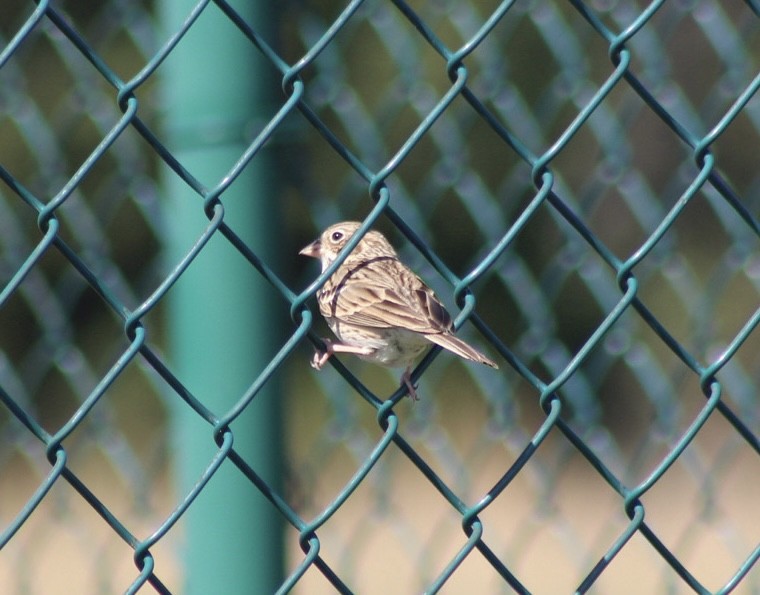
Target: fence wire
(577, 180)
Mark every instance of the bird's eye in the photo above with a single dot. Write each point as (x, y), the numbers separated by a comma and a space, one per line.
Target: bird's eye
(336, 236)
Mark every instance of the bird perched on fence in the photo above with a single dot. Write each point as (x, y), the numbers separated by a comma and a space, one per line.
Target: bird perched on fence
(377, 307)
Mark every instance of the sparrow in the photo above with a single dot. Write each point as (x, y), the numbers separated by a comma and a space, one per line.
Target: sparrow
(378, 308)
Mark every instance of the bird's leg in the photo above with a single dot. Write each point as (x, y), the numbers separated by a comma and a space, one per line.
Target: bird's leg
(320, 358)
(406, 380)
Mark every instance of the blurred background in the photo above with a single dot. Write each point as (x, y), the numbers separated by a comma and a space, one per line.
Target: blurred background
(130, 211)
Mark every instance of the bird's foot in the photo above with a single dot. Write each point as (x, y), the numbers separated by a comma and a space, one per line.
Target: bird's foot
(406, 380)
(319, 359)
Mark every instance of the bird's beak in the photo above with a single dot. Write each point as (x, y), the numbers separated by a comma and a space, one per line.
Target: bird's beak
(314, 249)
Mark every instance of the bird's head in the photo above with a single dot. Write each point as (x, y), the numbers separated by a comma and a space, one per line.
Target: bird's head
(327, 247)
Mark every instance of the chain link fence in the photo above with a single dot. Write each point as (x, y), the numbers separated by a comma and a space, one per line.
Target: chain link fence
(579, 183)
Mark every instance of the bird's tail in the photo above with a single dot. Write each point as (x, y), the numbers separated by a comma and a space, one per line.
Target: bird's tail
(461, 348)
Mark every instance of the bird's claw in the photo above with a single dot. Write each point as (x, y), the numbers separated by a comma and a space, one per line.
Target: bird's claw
(406, 380)
(319, 359)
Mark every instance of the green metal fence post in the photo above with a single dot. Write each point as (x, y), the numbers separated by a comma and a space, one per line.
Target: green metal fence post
(220, 329)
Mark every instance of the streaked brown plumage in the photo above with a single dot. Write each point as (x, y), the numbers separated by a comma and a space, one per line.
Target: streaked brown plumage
(377, 307)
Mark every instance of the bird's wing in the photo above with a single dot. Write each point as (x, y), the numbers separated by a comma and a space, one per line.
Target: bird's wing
(385, 294)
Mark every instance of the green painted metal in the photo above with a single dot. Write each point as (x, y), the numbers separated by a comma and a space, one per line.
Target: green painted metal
(221, 333)
(224, 278)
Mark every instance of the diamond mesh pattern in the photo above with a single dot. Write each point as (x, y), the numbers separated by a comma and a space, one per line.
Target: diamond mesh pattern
(577, 181)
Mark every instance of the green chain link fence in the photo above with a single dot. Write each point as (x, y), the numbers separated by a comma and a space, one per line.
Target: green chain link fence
(578, 181)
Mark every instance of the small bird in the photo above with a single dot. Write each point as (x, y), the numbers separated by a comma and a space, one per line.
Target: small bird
(378, 308)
